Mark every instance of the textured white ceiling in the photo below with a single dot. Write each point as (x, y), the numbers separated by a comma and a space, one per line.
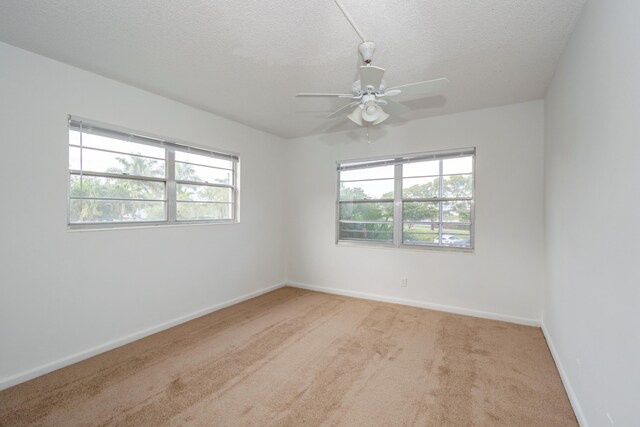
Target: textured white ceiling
(245, 60)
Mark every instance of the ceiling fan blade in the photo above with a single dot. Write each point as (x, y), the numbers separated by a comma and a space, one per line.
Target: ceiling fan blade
(337, 112)
(324, 95)
(421, 89)
(395, 108)
(356, 116)
(370, 76)
(392, 92)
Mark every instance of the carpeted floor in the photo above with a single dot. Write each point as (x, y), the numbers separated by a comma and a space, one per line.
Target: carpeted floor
(294, 357)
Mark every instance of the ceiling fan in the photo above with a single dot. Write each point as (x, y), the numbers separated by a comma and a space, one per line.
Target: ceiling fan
(370, 94)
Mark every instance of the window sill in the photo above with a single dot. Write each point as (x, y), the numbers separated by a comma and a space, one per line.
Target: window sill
(81, 229)
(419, 248)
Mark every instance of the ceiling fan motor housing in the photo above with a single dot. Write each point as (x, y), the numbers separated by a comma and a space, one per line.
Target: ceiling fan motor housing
(357, 89)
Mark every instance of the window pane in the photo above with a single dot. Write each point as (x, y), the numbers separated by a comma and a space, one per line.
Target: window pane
(113, 144)
(188, 172)
(74, 158)
(421, 211)
(115, 188)
(420, 188)
(184, 157)
(420, 233)
(366, 211)
(457, 165)
(457, 186)
(429, 168)
(203, 193)
(74, 137)
(359, 190)
(459, 211)
(455, 235)
(187, 211)
(100, 161)
(367, 173)
(116, 211)
(364, 231)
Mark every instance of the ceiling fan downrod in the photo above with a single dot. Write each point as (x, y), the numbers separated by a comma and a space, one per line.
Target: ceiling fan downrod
(346, 15)
(366, 48)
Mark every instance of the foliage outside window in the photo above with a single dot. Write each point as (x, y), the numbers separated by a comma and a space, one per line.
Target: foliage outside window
(118, 177)
(412, 200)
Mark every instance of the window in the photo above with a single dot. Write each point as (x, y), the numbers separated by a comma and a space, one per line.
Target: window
(418, 200)
(118, 178)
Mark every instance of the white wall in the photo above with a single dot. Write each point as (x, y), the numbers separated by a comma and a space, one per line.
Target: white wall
(592, 158)
(62, 292)
(503, 278)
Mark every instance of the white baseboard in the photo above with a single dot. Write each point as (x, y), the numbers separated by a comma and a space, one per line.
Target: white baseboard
(577, 409)
(85, 354)
(421, 304)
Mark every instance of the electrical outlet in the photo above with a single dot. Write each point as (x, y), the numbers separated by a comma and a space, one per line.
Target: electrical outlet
(404, 282)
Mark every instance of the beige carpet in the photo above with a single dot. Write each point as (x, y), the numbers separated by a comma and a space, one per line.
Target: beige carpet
(295, 357)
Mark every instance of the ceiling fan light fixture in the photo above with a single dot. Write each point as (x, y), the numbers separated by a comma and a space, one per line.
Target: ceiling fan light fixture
(356, 116)
(371, 112)
(383, 116)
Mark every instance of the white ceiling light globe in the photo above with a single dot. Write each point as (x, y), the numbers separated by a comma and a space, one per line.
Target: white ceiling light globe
(371, 112)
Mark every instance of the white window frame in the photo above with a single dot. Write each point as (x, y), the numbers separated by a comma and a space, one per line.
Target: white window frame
(170, 146)
(397, 161)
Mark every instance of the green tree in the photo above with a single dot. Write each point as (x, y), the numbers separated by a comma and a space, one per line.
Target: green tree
(421, 211)
(189, 193)
(139, 166)
(457, 186)
(116, 207)
(365, 211)
(186, 172)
